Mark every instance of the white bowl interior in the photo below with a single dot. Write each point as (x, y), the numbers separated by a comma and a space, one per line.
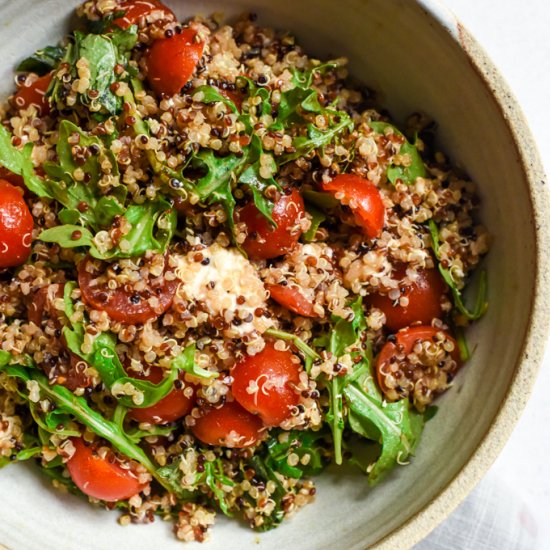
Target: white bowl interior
(402, 50)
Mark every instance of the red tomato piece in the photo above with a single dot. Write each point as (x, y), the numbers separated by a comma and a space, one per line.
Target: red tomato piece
(264, 384)
(12, 178)
(174, 406)
(125, 306)
(42, 304)
(99, 477)
(228, 426)
(403, 344)
(291, 298)
(263, 240)
(363, 198)
(424, 301)
(171, 61)
(16, 225)
(33, 92)
(134, 10)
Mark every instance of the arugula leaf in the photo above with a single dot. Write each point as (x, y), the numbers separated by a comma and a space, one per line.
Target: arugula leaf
(323, 201)
(42, 61)
(19, 161)
(186, 362)
(407, 174)
(212, 479)
(153, 224)
(317, 218)
(299, 343)
(209, 94)
(302, 443)
(317, 138)
(63, 235)
(399, 427)
(481, 304)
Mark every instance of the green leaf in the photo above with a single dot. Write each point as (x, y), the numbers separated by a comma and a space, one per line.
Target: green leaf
(42, 61)
(324, 201)
(300, 443)
(317, 218)
(186, 362)
(102, 57)
(481, 303)
(299, 343)
(316, 138)
(209, 94)
(19, 161)
(399, 427)
(63, 235)
(415, 169)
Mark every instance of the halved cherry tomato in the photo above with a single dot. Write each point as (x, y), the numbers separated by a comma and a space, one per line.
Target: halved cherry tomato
(33, 92)
(263, 240)
(16, 226)
(42, 304)
(402, 345)
(291, 298)
(125, 305)
(171, 61)
(14, 179)
(264, 384)
(424, 300)
(99, 477)
(134, 10)
(228, 426)
(363, 198)
(172, 407)
(234, 96)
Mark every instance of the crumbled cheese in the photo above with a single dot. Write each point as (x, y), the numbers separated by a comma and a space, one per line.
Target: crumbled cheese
(224, 284)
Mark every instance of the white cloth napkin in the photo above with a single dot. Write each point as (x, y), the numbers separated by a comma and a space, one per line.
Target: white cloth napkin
(493, 517)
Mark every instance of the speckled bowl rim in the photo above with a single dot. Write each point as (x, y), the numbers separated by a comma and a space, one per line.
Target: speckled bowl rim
(536, 335)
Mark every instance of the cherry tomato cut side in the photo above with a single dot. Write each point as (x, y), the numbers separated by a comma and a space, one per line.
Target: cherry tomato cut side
(127, 307)
(134, 10)
(292, 299)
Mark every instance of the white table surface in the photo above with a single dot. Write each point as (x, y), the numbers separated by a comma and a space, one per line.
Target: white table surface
(516, 35)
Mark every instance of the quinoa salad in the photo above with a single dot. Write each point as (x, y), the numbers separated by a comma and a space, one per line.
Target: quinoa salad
(222, 268)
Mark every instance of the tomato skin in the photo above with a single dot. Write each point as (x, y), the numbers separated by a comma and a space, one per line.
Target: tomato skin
(33, 92)
(16, 225)
(12, 178)
(98, 478)
(407, 338)
(174, 406)
(264, 241)
(424, 301)
(214, 427)
(292, 299)
(368, 208)
(171, 62)
(275, 374)
(118, 303)
(134, 10)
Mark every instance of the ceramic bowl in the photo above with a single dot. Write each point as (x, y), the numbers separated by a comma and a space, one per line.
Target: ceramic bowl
(418, 57)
